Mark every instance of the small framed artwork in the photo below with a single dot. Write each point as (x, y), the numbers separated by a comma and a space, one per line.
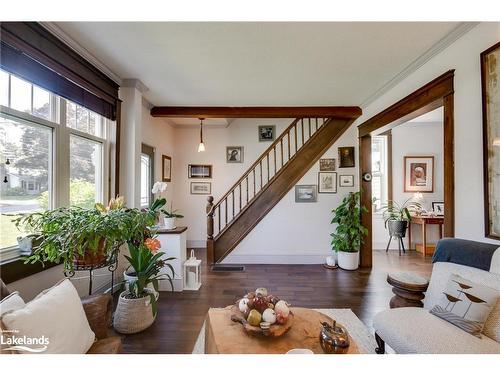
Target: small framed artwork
(234, 154)
(267, 133)
(327, 165)
(438, 208)
(346, 157)
(306, 193)
(199, 171)
(346, 180)
(166, 168)
(327, 182)
(201, 188)
(419, 174)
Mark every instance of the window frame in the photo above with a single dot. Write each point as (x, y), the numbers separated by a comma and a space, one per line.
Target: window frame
(150, 152)
(385, 172)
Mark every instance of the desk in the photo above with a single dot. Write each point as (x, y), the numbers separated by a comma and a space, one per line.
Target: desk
(424, 221)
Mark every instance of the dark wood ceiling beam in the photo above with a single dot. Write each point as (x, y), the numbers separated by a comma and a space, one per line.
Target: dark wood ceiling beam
(256, 112)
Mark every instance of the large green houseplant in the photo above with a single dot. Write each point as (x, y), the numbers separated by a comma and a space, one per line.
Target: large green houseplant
(349, 233)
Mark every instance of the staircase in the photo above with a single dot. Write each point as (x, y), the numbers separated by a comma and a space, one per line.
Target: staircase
(267, 181)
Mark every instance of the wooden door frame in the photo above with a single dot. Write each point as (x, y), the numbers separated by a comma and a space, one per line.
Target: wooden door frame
(437, 93)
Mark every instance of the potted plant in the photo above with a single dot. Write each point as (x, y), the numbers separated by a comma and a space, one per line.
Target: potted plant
(137, 307)
(158, 189)
(397, 216)
(349, 234)
(170, 216)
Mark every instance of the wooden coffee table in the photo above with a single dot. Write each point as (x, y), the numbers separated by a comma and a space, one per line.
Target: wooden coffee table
(223, 336)
(408, 289)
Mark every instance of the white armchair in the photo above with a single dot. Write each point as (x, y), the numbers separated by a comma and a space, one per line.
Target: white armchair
(411, 330)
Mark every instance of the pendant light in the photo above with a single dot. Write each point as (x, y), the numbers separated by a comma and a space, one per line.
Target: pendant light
(201, 146)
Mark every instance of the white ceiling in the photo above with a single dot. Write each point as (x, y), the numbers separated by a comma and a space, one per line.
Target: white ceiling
(268, 64)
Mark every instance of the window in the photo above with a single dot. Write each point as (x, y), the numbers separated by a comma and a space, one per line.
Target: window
(147, 175)
(380, 171)
(39, 130)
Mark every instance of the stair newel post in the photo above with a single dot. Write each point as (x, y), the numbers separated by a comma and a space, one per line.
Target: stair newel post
(210, 229)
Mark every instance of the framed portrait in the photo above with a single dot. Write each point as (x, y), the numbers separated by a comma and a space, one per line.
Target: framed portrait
(327, 165)
(346, 180)
(419, 174)
(166, 168)
(199, 171)
(490, 84)
(438, 208)
(346, 157)
(306, 193)
(234, 154)
(327, 182)
(267, 133)
(201, 188)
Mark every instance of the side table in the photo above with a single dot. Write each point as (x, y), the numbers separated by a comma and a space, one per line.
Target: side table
(408, 289)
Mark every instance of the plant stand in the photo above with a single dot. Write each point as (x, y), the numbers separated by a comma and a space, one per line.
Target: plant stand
(400, 244)
(111, 263)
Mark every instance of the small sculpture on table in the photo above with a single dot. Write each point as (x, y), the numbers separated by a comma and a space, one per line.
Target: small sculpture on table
(334, 339)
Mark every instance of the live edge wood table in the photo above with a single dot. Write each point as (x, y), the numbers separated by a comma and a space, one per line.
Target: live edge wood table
(424, 221)
(223, 336)
(408, 289)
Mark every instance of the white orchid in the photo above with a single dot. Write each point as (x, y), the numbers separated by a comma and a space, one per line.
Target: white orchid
(159, 187)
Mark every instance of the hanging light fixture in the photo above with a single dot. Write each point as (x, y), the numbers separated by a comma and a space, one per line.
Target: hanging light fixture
(201, 146)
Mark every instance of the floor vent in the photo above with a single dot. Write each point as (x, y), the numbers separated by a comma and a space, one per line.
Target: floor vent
(227, 268)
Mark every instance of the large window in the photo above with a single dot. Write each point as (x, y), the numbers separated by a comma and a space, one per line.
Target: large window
(147, 174)
(380, 171)
(54, 153)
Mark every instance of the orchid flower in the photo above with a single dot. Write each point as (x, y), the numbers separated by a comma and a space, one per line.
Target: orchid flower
(159, 187)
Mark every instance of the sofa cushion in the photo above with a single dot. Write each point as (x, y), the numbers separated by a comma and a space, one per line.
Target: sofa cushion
(412, 330)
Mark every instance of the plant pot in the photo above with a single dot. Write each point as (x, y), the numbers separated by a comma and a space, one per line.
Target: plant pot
(331, 261)
(397, 228)
(169, 223)
(129, 276)
(133, 315)
(91, 258)
(348, 261)
(28, 243)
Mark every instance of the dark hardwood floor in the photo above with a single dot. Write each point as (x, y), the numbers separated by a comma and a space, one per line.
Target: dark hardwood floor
(181, 315)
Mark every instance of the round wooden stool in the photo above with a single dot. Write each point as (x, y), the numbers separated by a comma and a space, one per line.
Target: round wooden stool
(408, 289)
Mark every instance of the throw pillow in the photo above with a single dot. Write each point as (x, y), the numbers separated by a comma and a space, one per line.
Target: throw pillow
(466, 304)
(54, 321)
(12, 302)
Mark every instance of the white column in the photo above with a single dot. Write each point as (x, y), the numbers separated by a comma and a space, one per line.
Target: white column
(130, 141)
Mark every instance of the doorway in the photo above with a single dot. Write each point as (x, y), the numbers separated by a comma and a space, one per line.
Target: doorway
(437, 93)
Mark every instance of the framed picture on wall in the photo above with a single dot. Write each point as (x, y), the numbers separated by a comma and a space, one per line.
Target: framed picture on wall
(166, 168)
(327, 182)
(267, 133)
(490, 83)
(346, 157)
(327, 165)
(306, 193)
(419, 174)
(234, 154)
(346, 180)
(199, 171)
(201, 188)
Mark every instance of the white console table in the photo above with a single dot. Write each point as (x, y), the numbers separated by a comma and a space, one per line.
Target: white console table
(173, 244)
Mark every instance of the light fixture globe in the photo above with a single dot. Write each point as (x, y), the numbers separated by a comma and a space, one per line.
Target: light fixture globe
(201, 146)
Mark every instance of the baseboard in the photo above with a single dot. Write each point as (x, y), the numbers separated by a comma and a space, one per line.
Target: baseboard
(196, 244)
(276, 259)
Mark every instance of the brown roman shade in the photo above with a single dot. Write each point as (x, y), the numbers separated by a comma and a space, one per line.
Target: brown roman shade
(30, 51)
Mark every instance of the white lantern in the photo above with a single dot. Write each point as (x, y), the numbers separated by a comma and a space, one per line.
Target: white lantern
(192, 273)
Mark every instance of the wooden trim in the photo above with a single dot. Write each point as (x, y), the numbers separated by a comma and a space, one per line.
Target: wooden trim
(425, 99)
(256, 112)
(390, 182)
(163, 177)
(438, 92)
(118, 146)
(17, 270)
(487, 223)
(404, 172)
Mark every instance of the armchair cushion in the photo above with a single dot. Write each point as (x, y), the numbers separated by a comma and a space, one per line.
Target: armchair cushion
(98, 309)
(411, 330)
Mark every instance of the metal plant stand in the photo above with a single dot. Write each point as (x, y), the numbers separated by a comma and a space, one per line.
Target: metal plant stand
(111, 263)
(400, 243)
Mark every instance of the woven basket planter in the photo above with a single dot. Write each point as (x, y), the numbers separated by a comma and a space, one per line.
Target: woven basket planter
(133, 315)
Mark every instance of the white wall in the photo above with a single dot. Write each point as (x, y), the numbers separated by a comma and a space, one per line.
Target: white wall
(413, 139)
(463, 56)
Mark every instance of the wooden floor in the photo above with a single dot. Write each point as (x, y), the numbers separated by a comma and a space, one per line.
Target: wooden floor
(181, 315)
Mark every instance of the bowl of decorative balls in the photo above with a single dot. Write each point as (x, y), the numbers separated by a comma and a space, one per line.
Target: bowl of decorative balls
(262, 314)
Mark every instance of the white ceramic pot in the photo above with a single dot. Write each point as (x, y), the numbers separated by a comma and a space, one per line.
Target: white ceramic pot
(169, 223)
(348, 261)
(331, 261)
(129, 278)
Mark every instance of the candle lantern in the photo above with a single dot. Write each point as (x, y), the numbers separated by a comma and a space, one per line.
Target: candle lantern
(192, 273)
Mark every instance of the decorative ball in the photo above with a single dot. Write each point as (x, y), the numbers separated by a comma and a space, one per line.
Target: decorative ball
(282, 308)
(261, 291)
(269, 316)
(243, 305)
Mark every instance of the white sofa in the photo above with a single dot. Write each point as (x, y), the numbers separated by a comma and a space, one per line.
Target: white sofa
(411, 330)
